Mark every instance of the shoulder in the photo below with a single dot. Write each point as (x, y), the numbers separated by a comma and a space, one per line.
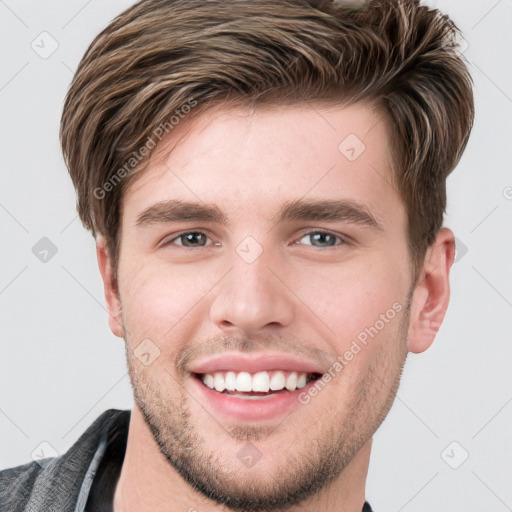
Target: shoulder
(54, 483)
(15, 485)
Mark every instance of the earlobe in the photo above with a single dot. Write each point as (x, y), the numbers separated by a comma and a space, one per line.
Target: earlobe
(110, 287)
(431, 295)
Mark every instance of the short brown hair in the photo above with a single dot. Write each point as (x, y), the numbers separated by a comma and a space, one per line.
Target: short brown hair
(162, 55)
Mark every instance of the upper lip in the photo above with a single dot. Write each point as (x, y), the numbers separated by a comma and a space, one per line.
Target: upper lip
(230, 361)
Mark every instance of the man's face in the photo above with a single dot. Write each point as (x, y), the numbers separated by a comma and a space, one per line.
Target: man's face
(272, 289)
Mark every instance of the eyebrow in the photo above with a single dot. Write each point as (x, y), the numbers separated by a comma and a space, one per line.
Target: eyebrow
(296, 210)
(329, 211)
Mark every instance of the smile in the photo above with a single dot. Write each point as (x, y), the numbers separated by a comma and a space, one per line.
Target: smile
(263, 382)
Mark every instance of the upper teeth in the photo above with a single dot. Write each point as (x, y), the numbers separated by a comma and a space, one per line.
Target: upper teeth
(261, 381)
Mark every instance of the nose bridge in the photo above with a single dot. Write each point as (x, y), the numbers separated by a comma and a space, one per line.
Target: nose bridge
(251, 297)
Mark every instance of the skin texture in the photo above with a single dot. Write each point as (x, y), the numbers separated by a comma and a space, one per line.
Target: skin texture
(302, 295)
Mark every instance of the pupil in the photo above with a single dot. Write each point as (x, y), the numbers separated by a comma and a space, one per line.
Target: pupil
(320, 237)
(192, 238)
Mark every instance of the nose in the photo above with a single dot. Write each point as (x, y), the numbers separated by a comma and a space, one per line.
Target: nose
(252, 298)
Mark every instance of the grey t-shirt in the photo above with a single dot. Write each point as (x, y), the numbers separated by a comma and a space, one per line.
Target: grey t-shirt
(81, 480)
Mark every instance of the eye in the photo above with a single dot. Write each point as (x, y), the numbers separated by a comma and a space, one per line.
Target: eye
(323, 239)
(197, 239)
(190, 239)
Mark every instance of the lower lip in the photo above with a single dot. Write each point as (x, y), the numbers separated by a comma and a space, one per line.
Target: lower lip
(249, 409)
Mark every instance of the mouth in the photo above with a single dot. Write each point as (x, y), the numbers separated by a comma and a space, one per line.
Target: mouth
(256, 386)
(252, 387)
(249, 397)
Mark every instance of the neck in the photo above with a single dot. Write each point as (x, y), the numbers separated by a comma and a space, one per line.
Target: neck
(149, 482)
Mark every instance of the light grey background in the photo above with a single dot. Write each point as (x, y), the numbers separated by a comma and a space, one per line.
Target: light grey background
(60, 367)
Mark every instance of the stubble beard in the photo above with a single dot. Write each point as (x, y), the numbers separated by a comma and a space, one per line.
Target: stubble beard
(314, 464)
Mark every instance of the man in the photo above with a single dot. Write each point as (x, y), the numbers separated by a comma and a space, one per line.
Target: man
(265, 182)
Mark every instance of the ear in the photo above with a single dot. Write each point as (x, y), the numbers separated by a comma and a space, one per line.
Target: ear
(110, 287)
(432, 293)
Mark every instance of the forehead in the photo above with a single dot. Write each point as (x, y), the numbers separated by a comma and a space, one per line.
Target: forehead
(252, 161)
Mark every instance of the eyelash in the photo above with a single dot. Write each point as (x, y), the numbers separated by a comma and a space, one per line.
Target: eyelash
(343, 239)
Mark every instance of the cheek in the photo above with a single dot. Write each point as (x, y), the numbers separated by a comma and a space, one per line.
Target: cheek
(158, 300)
(350, 299)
